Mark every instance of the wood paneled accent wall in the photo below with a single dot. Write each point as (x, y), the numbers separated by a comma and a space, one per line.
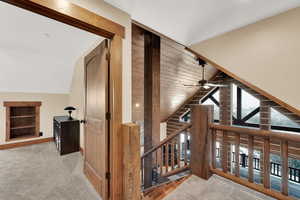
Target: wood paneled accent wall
(178, 66)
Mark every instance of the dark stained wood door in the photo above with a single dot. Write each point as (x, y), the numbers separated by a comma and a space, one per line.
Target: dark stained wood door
(96, 139)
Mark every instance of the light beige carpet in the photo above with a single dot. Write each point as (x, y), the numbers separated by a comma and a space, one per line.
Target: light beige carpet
(37, 172)
(216, 188)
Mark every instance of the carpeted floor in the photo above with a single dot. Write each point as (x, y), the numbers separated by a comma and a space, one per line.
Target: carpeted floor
(216, 188)
(37, 172)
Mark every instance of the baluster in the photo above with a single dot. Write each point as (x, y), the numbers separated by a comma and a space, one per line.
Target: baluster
(161, 160)
(185, 149)
(266, 163)
(178, 152)
(284, 167)
(237, 154)
(142, 168)
(166, 157)
(156, 162)
(225, 152)
(172, 155)
(213, 150)
(250, 158)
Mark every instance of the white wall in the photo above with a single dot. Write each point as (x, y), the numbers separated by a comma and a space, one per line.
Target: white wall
(266, 54)
(52, 105)
(106, 10)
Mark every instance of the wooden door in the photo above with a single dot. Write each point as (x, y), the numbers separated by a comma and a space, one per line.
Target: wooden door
(96, 138)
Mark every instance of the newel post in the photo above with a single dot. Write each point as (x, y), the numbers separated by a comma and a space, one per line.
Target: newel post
(131, 162)
(201, 140)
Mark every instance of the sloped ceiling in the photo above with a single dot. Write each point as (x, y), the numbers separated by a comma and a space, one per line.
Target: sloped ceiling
(197, 20)
(38, 54)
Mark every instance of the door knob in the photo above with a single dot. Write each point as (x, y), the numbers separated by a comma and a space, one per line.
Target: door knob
(83, 121)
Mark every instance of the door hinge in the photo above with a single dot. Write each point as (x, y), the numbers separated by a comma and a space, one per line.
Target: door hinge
(108, 56)
(107, 175)
(108, 116)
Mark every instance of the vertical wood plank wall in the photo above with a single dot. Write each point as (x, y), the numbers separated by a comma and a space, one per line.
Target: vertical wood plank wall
(177, 67)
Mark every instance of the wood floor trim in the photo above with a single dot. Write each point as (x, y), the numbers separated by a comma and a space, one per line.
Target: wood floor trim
(25, 143)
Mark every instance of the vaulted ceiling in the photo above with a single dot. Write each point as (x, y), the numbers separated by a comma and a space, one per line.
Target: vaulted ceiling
(197, 20)
(38, 54)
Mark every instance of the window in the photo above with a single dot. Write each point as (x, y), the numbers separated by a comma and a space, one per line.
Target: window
(245, 108)
(281, 122)
(213, 99)
(246, 112)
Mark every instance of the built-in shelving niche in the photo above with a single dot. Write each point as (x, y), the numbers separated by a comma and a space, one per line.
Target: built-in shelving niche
(22, 120)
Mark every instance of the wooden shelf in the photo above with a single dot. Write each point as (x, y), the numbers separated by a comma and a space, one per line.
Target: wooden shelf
(21, 127)
(22, 120)
(22, 116)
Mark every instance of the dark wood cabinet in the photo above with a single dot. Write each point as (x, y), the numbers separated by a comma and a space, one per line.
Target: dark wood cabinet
(66, 134)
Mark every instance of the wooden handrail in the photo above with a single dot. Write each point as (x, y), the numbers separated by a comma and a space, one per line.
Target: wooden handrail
(168, 139)
(255, 132)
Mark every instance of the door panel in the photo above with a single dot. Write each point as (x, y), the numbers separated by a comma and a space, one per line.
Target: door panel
(96, 126)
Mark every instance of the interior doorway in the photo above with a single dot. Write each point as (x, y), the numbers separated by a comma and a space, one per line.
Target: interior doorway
(71, 14)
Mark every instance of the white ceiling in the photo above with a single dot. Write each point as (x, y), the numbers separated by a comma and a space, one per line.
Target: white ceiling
(191, 21)
(38, 54)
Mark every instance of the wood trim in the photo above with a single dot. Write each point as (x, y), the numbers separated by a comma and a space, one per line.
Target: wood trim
(115, 124)
(25, 143)
(21, 103)
(176, 171)
(253, 186)
(69, 13)
(260, 91)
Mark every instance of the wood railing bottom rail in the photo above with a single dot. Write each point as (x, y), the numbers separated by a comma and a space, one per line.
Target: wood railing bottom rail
(259, 188)
(176, 171)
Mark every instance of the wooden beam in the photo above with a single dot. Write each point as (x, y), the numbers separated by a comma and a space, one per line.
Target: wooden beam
(151, 99)
(201, 140)
(255, 88)
(69, 13)
(131, 162)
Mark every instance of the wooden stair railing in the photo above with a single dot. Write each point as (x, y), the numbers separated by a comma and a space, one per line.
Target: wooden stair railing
(230, 135)
(169, 157)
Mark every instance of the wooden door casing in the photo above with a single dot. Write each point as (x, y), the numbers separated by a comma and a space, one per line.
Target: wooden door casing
(96, 163)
